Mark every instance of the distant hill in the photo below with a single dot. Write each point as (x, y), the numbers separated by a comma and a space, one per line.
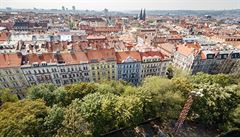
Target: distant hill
(219, 13)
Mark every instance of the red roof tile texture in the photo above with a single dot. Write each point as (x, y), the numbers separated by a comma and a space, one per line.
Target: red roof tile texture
(95, 56)
(152, 54)
(121, 56)
(10, 60)
(74, 58)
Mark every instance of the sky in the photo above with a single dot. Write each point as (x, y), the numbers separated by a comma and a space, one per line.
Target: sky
(121, 5)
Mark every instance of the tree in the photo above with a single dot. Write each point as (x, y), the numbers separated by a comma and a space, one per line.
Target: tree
(98, 109)
(7, 96)
(221, 79)
(216, 106)
(54, 120)
(159, 98)
(170, 72)
(235, 115)
(23, 118)
(114, 87)
(74, 124)
(128, 111)
(79, 90)
(62, 97)
(43, 91)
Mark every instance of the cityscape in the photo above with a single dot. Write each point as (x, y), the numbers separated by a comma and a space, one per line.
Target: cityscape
(134, 72)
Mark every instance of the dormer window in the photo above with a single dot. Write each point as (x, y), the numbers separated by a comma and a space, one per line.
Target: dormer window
(224, 56)
(35, 64)
(210, 56)
(236, 55)
(44, 63)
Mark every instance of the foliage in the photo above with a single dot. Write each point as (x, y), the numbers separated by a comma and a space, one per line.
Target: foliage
(92, 109)
(43, 91)
(221, 79)
(23, 118)
(54, 120)
(7, 96)
(129, 111)
(65, 95)
(159, 98)
(74, 124)
(98, 109)
(216, 106)
(235, 115)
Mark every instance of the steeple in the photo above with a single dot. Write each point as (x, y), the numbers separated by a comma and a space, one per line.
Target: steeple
(140, 16)
(144, 15)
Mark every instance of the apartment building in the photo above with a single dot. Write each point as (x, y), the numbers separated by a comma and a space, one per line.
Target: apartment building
(103, 64)
(129, 66)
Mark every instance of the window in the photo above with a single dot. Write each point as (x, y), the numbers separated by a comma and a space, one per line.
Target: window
(236, 55)
(224, 56)
(210, 56)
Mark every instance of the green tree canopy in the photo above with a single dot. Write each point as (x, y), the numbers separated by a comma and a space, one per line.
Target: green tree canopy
(23, 118)
(98, 109)
(7, 96)
(42, 91)
(74, 124)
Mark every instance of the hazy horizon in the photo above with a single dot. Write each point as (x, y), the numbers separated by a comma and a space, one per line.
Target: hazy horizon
(124, 4)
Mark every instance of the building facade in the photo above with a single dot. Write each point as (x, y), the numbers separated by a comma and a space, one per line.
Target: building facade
(154, 64)
(129, 66)
(103, 64)
(11, 75)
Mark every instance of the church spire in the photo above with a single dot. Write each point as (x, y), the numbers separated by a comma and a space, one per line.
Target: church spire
(144, 15)
(141, 15)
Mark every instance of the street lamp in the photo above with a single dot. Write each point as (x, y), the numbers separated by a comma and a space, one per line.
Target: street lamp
(186, 109)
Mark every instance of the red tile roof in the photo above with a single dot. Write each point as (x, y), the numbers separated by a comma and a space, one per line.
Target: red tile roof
(95, 56)
(121, 56)
(74, 58)
(167, 48)
(185, 50)
(93, 37)
(4, 36)
(152, 54)
(10, 60)
(44, 57)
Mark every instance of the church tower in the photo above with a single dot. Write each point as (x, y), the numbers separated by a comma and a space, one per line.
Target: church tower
(141, 15)
(144, 15)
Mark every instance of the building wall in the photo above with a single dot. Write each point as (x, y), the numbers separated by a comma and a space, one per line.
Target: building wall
(154, 68)
(182, 61)
(103, 71)
(215, 65)
(13, 78)
(130, 72)
(74, 73)
(41, 74)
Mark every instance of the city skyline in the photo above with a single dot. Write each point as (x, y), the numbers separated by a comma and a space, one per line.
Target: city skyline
(124, 4)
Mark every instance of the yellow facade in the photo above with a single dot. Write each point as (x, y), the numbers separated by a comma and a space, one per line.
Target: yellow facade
(103, 71)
